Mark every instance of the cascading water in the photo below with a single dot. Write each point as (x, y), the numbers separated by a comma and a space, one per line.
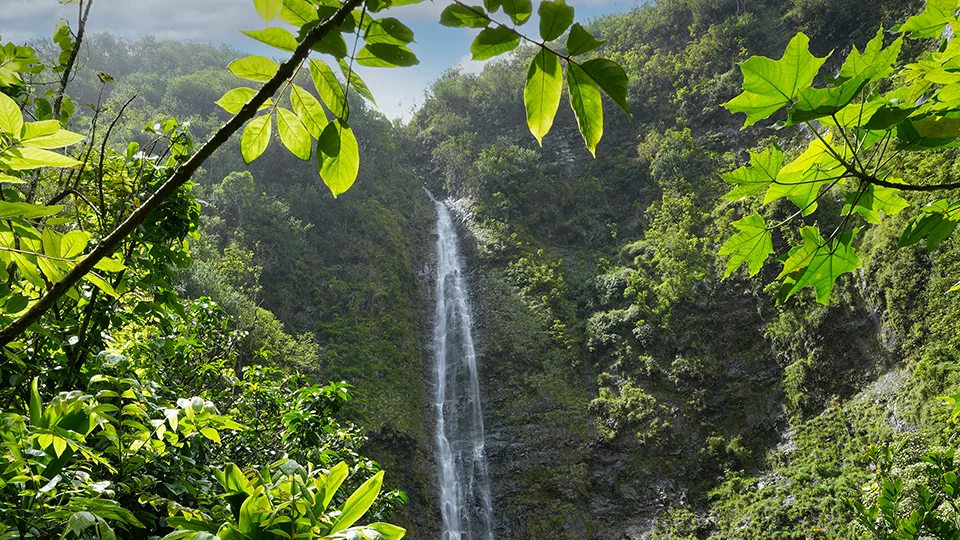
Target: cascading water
(462, 462)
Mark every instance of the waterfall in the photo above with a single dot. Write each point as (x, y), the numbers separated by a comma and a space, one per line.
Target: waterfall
(461, 459)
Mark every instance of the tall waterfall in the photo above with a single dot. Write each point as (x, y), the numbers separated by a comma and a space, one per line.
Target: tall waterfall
(462, 461)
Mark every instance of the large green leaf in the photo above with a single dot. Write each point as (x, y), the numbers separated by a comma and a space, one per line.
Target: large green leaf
(800, 181)
(555, 17)
(769, 85)
(754, 178)
(752, 245)
(541, 95)
(298, 12)
(930, 24)
(580, 41)
(519, 11)
(874, 200)
(11, 119)
(587, 106)
(457, 16)
(21, 159)
(386, 55)
(936, 223)
(333, 44)
(309, 110)
(293, 134)
(268, 9)
(331, 483)
(58, 139)
(254, 68)
(338, 157)
(612, 79)
(255, 138)
(26, 210)
(73, 244)
(388, 531)
(492, 42)
(328, 88)
(388, 30)
(818, 265)
(235, 99)
(358, 503)
(275, 37)
(875, 59)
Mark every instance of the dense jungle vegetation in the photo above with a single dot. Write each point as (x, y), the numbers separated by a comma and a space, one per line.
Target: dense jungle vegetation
(209, 376)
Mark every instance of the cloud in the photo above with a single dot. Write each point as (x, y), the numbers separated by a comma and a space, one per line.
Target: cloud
(470, 66)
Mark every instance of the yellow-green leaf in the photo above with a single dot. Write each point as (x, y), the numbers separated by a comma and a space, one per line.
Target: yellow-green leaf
(457, 16)
(874, 200)
(328, 88)
(278, 38)
(309, 110)
(750, 180)
(752, 245)
(235, 99)
(541, 95)
(338, 157)
(819, 265)
(21, 159)
(519, 11)
(580, 41)
(612, 79)
(255, 138)
(293, 134)
(355, 82)
(492, 42)
(100, 283)
(935, 17)
(586, 105)
(73, 244)
(298, 12)
(11, 119)
(388, 30)
(268, 9)
(555, 17)
(254, 68)
(358, 503)
(26, 210)
(109, 265)
(386, 55)
(59, 139)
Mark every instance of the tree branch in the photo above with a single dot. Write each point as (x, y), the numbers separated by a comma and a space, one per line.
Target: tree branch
(81, 25)
(109, 244)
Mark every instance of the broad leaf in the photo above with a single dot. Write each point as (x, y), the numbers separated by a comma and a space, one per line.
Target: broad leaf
(333, 44)
(874, 200)
(254, 68)
(11, 119)
(762, 171)
(930, 24)
(800, 181)
(388, 30)
(388, 531)
(309, 110)
(541, 95)
(752, 245)
(519, 11)
(235, 99)
(328, 88)
(21, 159)
(73, 244)
(293, 134)
(818, 265)
(275, 37)
(936, 223)
(494, 42)
(358, 503)
(26, 210)
(268, 9)
(298, 12)
(555, 17)
(338, 157)
(586, 105)
(331, 483)
(59, 139)
(769, 85)
(580, 41)
(356, 82)
(386, 55)
(32, 130)
(255, 138)
(457, 16)
(874, 58)
(612, 79)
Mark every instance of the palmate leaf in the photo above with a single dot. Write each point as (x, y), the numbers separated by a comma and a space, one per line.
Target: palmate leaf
(255, 138)
(555, 17)
(936, 223)
(800, 181)
(541, 95)
(587, 106)
(752, 245)
(935, 17)
(756, 177)
(818, 265)
(293, 134)
(874, 200)
(769, 85)
(338, 157)
(492, 42)
(580, 41)
(874, 58)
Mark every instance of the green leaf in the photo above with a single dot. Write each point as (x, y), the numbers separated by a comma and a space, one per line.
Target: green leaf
(492, 5)
(388, 531)
(26, 210)
(612, 79)
(752, 245)
(541, 95)
(338, 157)
(254, 68)
(519, 11)
(100, 283)
(80, 521)
(32, 130)
(298, 12)
(51, 242)
(328, 88)
(275, 37)
(872, 201)
(492, 42)
(268, 9)
(936, 223)
(875, 59)
(388, 30)
(333, 44)
(59, 139)
(255, 138)
(11, 119)
(211, 434)
(580, 41)
(930, 24)
(21, 159)
(356, 82)
(36, 404)
(309, 110)
(386, 55)
(235, 99)
(293, 134)
(109, 265)
(818, 265)
(801, 180)
(457, 16)
(750, 180)
(768, 85)
(586, 105)
(555, 17)
(331, 483)
(358, 503)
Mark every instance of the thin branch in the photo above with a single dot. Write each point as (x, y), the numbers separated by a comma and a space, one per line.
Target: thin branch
(913, 187)
(107, 246)
(65, 79)
(513, 30)
(77, 194)
(356, 41)
(103, 151)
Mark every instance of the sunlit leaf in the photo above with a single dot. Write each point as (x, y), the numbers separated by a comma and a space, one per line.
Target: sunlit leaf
(275, 37)
(59, 139)
(388, 30)
(255, 138)
(519, 11)
(333, 44)
(800, 180)
(358, 503)
(936, 223)
(611, 78)
(555, 17)
(580, 41)
(20, 159)
(26, 210)
(73, 244)
(268, 9)
(235, 99)
(874, 200)
(356, 82)
(254, 68)
(328, 88)
(754, 178)
(11, 119)
(935, 17)
(338, 157)
(298, 12)
(293, 134)
(586, 105)
(816, 264)
(309, 110)
(386, 55)
(541, 95)
(388, 531)
(457, 16)
(752, 245)
(109, 265)
(492, 42)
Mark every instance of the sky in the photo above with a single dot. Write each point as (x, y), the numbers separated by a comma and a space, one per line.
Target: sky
(398, 91)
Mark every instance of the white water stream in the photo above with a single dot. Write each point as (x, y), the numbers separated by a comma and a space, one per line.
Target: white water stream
(461, 459)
